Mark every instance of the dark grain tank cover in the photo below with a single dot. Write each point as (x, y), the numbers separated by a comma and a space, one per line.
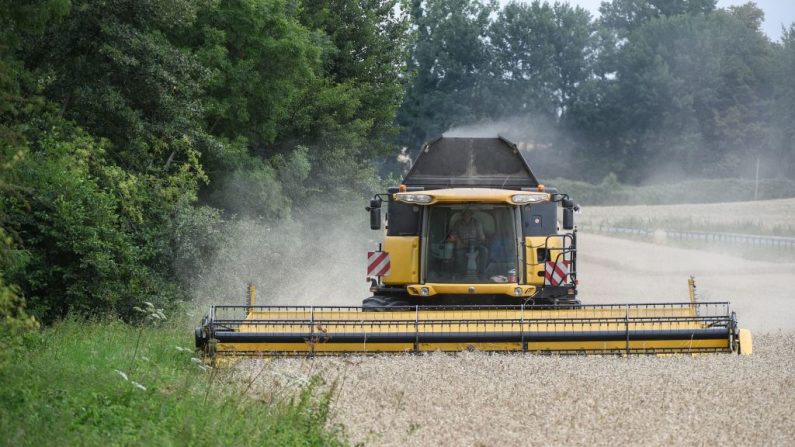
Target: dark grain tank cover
(470, 162)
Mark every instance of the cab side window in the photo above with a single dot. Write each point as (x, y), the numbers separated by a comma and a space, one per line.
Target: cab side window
(539, 220)
(403, 219)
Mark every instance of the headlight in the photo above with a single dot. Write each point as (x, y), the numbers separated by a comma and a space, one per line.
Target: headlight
(415, 198)
(528, 198)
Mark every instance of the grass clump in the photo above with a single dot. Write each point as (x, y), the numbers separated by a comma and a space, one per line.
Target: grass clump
(90, 383)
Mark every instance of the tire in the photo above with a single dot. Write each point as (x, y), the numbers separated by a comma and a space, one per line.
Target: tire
(378, 303)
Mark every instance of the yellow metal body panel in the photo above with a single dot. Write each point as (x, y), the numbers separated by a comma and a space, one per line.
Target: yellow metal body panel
(746, 343)
(584, 347)
(318, 347)
(535, 267)
(616, 314)
(583, 325)
(462, 195)
(404, 257)
(466, 289)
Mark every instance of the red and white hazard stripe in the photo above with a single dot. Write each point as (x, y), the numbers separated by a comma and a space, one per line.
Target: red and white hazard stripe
(378, 263)
(556, 273)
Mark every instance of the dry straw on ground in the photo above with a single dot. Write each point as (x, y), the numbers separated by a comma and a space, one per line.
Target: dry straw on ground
(482, 399)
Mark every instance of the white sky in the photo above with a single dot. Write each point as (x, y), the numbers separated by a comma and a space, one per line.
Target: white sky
(778, 13)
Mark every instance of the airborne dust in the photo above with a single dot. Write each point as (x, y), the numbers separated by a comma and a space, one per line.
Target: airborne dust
(317, 257)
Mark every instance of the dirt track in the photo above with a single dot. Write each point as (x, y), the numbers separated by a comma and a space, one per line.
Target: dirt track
(481, 399)
(622, 271)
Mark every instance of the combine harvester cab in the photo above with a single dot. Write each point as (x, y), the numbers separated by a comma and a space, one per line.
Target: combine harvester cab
(474, 257)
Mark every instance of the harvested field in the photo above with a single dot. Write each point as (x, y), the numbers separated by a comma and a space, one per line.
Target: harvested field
(483, 399)
(761, 217)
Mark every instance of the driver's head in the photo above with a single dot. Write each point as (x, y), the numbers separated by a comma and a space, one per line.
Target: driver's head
(467, 215)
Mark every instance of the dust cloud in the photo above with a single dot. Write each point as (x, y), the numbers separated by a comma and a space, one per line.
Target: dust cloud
(529, 133)
(761, 290)
(624, 271)
(316, 258)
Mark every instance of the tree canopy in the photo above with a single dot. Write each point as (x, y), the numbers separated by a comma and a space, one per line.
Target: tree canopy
(659, 90)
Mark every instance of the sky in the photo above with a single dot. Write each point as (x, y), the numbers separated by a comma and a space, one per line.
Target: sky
(777, 12)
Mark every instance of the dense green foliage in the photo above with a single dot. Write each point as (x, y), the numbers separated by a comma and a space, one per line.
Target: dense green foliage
(129, 130)
(108, 383)
(651, 90)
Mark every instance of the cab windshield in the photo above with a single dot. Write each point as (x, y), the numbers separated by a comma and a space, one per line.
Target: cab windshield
(471, 244)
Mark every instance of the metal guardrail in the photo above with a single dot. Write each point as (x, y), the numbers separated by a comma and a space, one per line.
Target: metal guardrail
(718, 237)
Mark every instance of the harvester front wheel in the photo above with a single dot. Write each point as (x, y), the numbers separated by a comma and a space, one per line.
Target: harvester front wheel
(378, 303)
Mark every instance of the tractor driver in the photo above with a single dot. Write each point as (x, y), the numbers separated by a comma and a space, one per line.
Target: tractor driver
(468, 236)
(467, 231)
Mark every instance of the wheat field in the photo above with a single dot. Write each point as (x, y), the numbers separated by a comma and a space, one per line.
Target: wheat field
(481, 399)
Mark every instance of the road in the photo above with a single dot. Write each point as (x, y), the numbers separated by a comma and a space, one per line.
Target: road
(615, 270)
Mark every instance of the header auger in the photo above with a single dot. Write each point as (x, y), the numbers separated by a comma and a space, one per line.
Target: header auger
(474, 258)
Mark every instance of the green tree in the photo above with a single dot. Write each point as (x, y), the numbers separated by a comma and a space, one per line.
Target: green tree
(691, 94)
(449, 61)
(112, 68)
(541, 53)
(261, 59)
(89, 216)
(624, 16)
(781, 160)
(366, 52)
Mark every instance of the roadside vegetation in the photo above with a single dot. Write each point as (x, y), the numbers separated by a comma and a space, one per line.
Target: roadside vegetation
(104, 382)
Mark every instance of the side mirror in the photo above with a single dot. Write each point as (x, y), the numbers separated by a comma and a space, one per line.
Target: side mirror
(375, 214)
(568, 219)
(567, 203)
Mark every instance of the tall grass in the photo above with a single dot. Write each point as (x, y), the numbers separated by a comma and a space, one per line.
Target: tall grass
(82, 383)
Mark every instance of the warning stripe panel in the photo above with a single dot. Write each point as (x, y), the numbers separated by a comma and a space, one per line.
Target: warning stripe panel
(378, 263)
(556, 274)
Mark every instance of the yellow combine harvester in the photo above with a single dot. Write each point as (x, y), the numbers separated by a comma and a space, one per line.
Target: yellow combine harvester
(474, 258)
